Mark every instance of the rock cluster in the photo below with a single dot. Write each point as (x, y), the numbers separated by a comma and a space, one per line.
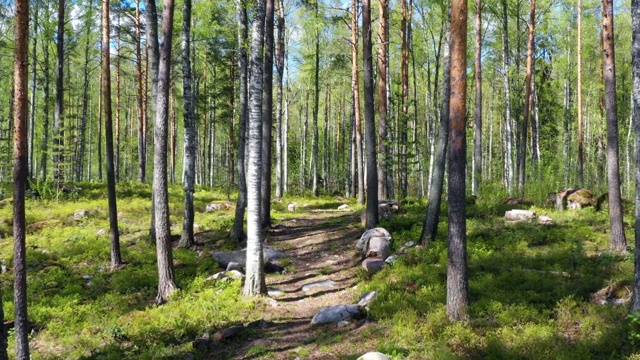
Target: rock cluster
(376, 247)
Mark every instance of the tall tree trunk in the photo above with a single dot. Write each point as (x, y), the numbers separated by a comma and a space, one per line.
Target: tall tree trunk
(32, 119)
(267, 117)
(237, 231)
(527, 101)
(508, 154)
(404, 100)
(369, 119)
(355, 90)
(580, 137)
(457, 278)
(44, 147)
(477, 123)
(116, 258)
(316, 103)
(430, 227)
(142, 136)
(153, 49)
(58, 132)
(100, 106)
(635, 52)
(255, 282)
(20, 168)
(166, 282)
(85, 98)
(618, 240)
(117, 158)
(279, 110)
(382, 98)
(187, 240)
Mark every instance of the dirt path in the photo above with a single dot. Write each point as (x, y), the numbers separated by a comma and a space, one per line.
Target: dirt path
(320, 247)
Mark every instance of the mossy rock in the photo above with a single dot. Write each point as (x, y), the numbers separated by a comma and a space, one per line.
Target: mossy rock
(583, 197)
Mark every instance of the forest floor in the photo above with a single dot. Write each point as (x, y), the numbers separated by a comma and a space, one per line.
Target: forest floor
(319, 246)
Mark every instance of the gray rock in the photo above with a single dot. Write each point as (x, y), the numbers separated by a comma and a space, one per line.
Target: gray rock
(374, 355)
(213, 207)
(545, 220)
(367, 298)
(273, 292)
(324, 284)
(373, 265)
(234, 274)
(239, 256)
(343, 207)
(234, 266)
(379, 232)
(378, 248)
(518, 215)
(80, 214)
(216, 276)
(391, 259)
(337, 313)
(291, 207)
(224, 334)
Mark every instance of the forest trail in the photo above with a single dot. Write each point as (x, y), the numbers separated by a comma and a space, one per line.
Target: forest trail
(320, 247)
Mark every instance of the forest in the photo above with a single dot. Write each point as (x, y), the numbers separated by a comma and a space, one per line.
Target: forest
(319, 179)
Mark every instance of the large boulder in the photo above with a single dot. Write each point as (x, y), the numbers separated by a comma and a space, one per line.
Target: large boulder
(379, 232)
(518, 215)
(373, 265)
(581, 198)
(333, 314)
(240, 256)
(378, 248)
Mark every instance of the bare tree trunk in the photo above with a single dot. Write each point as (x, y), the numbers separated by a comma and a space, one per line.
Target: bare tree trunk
(618, 240)
(508, 154)
(166, 282)
(114, 235)
(153, 48)
(255, 282)
(187, 240)
(279, 110)
(477, 123)
(44, 147)
(635, 52)
(382, 98)
(20, 169)
(430, 227)
(267, 117)
(117, 152)
(85, 98)
(237, 231)
(355, 89)
(457, 277)
(369, 119)
(32, 119)
(142, 138)
(316, 105)
(404, 100)
(58, 132)
(580, 137)
(527, 101)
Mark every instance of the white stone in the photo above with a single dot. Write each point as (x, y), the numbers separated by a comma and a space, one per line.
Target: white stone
(343, 207)
(518, 215)
(374, 356)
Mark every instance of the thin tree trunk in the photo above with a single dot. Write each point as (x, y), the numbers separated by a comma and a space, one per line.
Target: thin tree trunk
(166, 282)
(355, 89)
(404, 100)
(187, 240)
(580, 136)
(85, 99)
(635, 16)
(382, 98)
(142, 138)
(58, 132)
(618, 240)
(316, 104)
(508, 154)
(237, 231)
(430, 227)
(255, 282)
(527, 101)
(279, 110)
(477, 123)
(32, 120)
(44, 147)
(117, 158)
(153, 49)
(267, 117)
(457, 278)
(20, 169)
(369, 119)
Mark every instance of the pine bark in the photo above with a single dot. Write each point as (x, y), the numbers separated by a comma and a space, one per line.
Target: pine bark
(618, 240)
(355, 89)
(166, 282)
(383, 32)
(527, 101)
(477, 123)
(153, 49)
(508, 154)
(237, 231)
(44, 147)
(255, 282)
(316, 104)
(79, 164)
(187, 240)
(579, 85)
(369, 119)
(267, 116)
(457, 277)
(58, 121)
(279, 110)
(142, 136)
(635, 52)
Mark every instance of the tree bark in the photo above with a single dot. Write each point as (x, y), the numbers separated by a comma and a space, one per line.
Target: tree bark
(114, 235)
(166, 282)
(142, 136)
(457, 278)
(430, 227)
(20, 169)
(316, 104)
(618, 240)
(58, 132)
(255, 282)
(237, 231)
(382, 98)
(85, 98)
(635, 52)
(267, 117)
(279, 110)
(527, 101)
(32, 119)
(355, 89)
(44, 147)
(153, 49)
(477, 123)
(508, 154)
(369, 119)
(187, 240)
(580, 136)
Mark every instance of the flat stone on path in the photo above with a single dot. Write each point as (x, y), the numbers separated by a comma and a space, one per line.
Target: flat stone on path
(374, 355)
(337, 313)
(273, 292)
(324, 284)
(239, 256)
